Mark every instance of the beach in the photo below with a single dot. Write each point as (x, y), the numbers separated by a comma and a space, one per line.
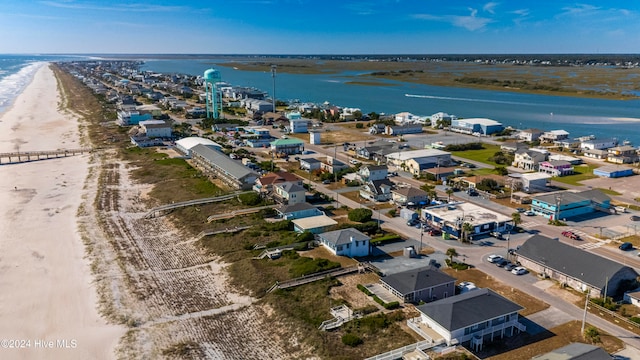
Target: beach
(48, 304)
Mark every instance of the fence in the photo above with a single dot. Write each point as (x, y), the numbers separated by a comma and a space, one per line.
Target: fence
(617, 317)
(397, 353)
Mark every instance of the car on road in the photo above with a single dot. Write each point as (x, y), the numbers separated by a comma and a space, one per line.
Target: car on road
(626, 246)
(469, 165)
(472, 192)
(571, 235)
(434, 232)
(519, 270)
(496, 234)
(326, 182)
(413, 222)
(494, 258)
(529, 213)
(521, 210)
(510, 266)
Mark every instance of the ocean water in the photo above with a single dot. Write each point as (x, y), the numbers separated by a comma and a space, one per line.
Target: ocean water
(16, 71)
(603, 118)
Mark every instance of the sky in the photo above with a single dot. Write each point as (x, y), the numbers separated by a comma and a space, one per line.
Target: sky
(319, 26)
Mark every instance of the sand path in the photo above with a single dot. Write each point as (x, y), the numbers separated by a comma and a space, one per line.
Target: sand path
(46, 296)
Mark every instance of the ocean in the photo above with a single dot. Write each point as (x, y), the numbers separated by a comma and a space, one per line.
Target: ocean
(16, 71)
(603, 118)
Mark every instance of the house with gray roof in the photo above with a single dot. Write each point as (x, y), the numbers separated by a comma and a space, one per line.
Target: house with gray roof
(214, 163)
(298, 211)
(579, 269)
(568, 204)
(423, 284)
(346, 242)
(576, 351)
(470, 318)
(290, 192)
(406, 195)
(377, 190)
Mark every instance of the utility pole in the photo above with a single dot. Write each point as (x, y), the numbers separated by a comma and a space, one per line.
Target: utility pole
(584, 315)
(273, 75)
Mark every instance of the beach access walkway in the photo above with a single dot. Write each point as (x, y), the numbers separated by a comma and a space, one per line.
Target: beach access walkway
(158, 210)
(27, 156)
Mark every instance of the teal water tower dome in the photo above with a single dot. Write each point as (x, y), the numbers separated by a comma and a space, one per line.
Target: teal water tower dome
(214, 97)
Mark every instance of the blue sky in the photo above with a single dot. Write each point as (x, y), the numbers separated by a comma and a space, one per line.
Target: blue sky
(319, 26)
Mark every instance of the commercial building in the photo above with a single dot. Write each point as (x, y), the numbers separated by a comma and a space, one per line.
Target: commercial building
(451, 217)
(231, 172)
(574, 267)
(613, 171)
(287, 146)
(566, 204)
(476, 126)
(185, 145)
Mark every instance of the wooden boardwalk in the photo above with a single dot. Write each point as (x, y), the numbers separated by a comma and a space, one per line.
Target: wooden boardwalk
(235, 213)
(318, 276)
(167, 208)
(26, 156)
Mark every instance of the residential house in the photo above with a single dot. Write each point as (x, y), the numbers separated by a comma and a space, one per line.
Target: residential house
(270, 118)
(297, 126)
(423, 284)
(333, 165)
(127, 118)
(409, 195)
(534, 182)
(598, 144)
(424, 158)
(377, 190)
(576, 351)
(471, 318)
(450, 218)
(573, 160)
(215, 163)
(613, 171)
(156, 129)
(346, 242)
(395, 130)
(409, 118)
(224, 127)
(290, 192)
(310, 164)
(566, 204)
(377, 128)
(287, 146)
(441, 173)
(581, 270)
(441, 119)
(596, 154)
(553, 136)
(528, 159)
(512, 146)
(555, 168)
(298, 211)
(530, 134)
(266, 183)
(313, 224)
(622, 154)
(373, 172)
(377, 151)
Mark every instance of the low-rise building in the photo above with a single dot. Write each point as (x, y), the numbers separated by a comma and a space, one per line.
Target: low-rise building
(576, 351)
(287, 146)
(530, 134)
(598, 144)
(472, 318)
(555, 168)
(267, 182)
(403, 129)
(156, 129)
(622, 154)
(310, 164)
(377, 190)
(185, 145)
(613, 171)
(346, 242)
(423, 284)
(298, 211)
(567, 204)
(290, 192)
(476, 126)
(554, 135)
(528, 159)
(127, 118)
(409, 195)
(574, 267)
(451, 217)
(373, 172)
(313, 224)
(231, 172)
(534, 182)
(596, 154)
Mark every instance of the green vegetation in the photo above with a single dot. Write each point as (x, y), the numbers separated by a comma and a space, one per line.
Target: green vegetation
(520, 84)
(301, 266)
(480, 155)
(364, 290)
(385, 238)
(360, 215)
(609, 192)
(250, 199)
(581, 173)
(456, 265)
(351, 340)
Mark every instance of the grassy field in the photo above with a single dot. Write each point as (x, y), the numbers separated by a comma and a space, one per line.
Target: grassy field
(481, 155)
(581, 173)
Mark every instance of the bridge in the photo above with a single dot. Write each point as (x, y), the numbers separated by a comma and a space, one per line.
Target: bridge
(26, 156)
(156, 211)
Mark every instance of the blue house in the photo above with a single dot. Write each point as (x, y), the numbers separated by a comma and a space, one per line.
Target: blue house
(298, 211)
(566, 204)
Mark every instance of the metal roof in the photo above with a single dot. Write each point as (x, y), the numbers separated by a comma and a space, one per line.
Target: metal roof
(344, 236)
(406, 282)
(231, 167)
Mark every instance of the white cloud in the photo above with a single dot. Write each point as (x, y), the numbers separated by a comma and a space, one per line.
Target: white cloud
(490, 7)
(471, 22)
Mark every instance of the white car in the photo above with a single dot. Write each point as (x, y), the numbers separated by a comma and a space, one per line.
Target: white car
(494, 258)
(519, 270)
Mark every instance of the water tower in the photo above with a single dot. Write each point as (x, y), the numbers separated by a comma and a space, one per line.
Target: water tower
(214, 98)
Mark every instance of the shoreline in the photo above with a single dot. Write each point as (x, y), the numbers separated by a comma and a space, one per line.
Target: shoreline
(48, 291)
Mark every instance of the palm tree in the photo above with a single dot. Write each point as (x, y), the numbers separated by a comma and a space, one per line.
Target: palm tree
(451, 253)
(516, 219)
(449, 192)
(467, 229)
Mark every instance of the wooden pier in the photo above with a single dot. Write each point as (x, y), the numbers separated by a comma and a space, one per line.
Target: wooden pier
(26, 156)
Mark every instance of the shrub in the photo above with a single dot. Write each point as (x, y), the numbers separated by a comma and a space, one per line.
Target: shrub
(392, 305)
(361, 215)
(364, 290)
(392, 212)
(250, 199)
(386, 238)
(351, 340)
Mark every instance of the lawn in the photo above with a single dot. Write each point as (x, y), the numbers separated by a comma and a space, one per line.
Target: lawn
(481, 155)
(581, 173)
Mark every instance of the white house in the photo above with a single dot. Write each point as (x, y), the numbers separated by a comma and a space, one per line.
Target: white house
(373, 172)
(290, 192)
(346, 242)
(598, 144)
(470, 318)
(156, 128)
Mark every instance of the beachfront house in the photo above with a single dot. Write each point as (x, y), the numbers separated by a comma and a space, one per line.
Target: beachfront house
(530, 134)
(553, 136)
(422, 284)
(598, 144)
(346, 242)
(441, 120)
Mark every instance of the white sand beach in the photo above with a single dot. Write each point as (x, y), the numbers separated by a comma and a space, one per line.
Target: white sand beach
(46, 291)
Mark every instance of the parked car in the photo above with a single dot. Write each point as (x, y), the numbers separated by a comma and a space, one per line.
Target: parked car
(413, 222)
(326, 182)
(510, 266)
(496, 234)
(434, 232)
(521, 210)
(502, 262)
(494, 258)
(529, 213)
(571, 235)
(626, 246)
(519, 270)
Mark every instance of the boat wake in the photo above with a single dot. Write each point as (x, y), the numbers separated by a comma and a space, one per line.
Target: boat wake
(465, 99)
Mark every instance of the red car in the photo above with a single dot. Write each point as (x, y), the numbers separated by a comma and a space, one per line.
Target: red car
(571, 235)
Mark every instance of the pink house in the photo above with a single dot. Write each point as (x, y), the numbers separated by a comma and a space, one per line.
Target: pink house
(556, 167)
